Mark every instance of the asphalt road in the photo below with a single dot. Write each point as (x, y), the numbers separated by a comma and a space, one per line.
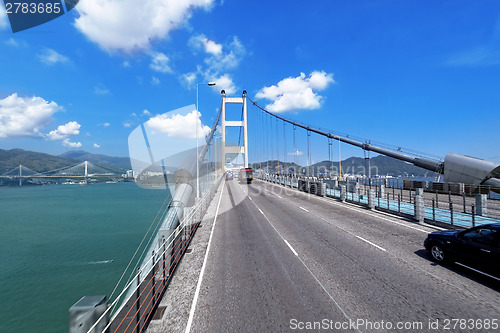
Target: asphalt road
(284, 260)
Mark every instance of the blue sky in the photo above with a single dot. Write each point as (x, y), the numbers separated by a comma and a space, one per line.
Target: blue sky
(423, 75)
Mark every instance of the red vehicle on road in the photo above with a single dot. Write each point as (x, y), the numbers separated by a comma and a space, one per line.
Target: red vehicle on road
(245, 175)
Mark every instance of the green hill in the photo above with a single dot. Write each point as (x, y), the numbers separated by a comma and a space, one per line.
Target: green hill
(122, 163)
(40, 162)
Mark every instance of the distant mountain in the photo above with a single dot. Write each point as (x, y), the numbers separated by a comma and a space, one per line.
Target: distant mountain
(379, 165)
(40, 162)
(122, 163)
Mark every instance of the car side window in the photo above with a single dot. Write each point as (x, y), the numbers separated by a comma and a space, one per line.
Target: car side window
(483, 236)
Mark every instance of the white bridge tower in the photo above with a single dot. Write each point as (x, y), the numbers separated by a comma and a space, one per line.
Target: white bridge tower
(240, 123)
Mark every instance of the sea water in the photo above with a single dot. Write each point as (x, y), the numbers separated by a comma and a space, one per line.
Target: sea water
(61, 242)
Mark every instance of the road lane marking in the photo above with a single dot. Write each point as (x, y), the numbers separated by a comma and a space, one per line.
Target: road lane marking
(291, 248)
(378, 247)
(202, 272)
(475, 270)
(349, 232)
(397, 257)
(308, 269)
(305, 210)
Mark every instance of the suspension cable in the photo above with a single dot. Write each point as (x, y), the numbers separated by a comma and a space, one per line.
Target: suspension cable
(429, 164)
(285, 156)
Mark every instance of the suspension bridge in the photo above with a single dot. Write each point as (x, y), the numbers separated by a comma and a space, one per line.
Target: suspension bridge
(82, 170)
(298, 248)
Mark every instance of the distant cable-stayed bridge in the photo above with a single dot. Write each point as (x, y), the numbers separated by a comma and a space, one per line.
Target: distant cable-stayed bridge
(80, 170)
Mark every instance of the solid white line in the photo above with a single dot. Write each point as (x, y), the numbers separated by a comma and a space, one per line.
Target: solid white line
(475, 270)
(250, 198)
(291, 248)
(200, 279)
(305, 210)
(278, 196)
(260, 211)
(378, 247)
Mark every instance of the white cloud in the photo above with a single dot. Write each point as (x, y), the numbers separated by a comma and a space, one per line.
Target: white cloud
(4, 20)
(146, 113)
(155, 81)
(188, 79)
(179, 126)
(126, 64)
(51, 57)
(478, 57)
(297, 93)
(128, 25)
(64, 131)
(16, 42)
(106, 125)
(160, 62)
(219, 61)
(25, 116)
(212, 47)
(97, 145)
(225, 61)
(224, 82)
(296, 153)
(208, 45)
(127, 124)
(101, 90)
(69, 144)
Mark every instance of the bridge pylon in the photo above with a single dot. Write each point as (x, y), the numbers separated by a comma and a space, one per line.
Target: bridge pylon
(229, 123)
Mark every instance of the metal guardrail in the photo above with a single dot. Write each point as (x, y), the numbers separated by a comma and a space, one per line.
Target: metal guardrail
(450, 211)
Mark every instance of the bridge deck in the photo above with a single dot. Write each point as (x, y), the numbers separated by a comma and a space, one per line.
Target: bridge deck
(286, 257)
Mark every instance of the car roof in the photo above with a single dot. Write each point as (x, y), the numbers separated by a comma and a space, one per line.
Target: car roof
(495, 226)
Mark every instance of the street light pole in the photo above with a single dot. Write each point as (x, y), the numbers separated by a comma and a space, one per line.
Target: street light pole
(196, 127)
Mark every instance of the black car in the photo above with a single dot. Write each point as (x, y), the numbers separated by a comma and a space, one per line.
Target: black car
(476, 248)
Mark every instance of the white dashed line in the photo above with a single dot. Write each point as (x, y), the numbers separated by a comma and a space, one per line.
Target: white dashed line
(308, 269)
(378, 247)
(291, 248)
(305, 210)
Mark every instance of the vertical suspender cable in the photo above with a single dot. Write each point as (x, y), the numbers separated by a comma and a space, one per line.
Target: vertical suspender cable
(308, 153)
(278, 145)
(330, 155)
(267, 143)
(340, 164)
(295, 151)
(261, 123)
(285, 156)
